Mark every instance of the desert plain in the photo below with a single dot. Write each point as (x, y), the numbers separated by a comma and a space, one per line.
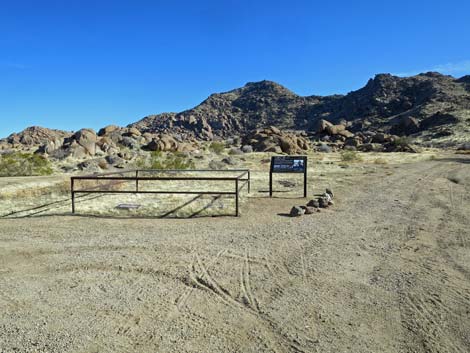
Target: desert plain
(385, 269)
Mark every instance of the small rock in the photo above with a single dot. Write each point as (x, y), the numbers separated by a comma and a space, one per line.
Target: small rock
(310, 210)
(323, 202)
(329, 192)
(297, 211)
(313, 203)
(229, 161)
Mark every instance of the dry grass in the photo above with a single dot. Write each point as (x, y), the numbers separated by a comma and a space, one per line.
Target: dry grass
(324, 170)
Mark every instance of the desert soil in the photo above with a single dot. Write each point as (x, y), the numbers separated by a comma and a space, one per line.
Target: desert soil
(386, 269)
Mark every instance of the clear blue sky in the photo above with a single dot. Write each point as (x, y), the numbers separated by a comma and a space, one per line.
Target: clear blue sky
(71, 64)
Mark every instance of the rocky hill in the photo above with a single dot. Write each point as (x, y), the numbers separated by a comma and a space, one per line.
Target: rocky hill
(265, 116)
(430, 105)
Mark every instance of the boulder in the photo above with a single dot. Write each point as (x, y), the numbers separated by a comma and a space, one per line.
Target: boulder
(163, 143)
(108, 129)
(129, 142)
(335, 129)
(132, 132)
(381, 138)
(114, 160)
(371, 147)
(345, 133)
(87, 139)
(406, 126)
(322, 125)
(275, 140)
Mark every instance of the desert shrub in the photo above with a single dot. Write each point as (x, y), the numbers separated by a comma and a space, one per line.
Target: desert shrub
(324, 148)
(350, 156)
(380, 161)
(217, 147)
(24, 164)
(402, 141)
(158, 160)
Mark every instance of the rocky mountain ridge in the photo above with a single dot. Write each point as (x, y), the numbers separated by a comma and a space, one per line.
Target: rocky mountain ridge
(437, 103)
(265, 116)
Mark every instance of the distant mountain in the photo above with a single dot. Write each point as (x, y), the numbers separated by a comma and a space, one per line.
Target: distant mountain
(438, 104)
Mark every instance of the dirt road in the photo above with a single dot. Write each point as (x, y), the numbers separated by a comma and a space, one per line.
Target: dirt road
(387, 269)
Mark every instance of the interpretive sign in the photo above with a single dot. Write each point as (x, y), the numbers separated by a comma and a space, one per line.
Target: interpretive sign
(288, 164)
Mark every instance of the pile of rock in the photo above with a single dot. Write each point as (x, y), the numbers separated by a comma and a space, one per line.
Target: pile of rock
(313, 206)
(338, 137)
(274, 140)
(34, 136)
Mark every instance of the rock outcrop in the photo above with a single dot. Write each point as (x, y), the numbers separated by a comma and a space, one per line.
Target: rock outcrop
(273, 139)
(391, 104)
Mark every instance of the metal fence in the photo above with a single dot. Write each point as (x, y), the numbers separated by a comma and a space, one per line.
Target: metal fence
(240, 180)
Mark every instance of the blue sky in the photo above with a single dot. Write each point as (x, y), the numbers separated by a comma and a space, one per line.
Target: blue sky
(72, 64)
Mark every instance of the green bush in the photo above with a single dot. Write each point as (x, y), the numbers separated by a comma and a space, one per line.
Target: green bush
(217, 147)
(158, 160)
(350, 156)
(24, 164)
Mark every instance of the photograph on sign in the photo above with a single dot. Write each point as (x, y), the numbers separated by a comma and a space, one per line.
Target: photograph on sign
(288, 164)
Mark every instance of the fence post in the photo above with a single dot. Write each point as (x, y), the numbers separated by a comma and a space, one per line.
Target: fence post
(236, 197)
(137, 181)
(249, 181)
(72, 180)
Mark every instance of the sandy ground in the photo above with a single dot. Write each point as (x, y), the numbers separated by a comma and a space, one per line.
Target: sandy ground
(387, 269)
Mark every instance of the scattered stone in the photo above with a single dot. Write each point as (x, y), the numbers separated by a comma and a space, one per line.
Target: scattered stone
(323, 202)
(313, 203)
(329, 192)
(229, 161)
(310, 210)
(297, 211)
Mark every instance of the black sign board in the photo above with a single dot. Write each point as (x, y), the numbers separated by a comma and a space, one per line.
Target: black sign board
(288, 164)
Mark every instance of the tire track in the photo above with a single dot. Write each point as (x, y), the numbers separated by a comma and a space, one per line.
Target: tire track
(277, 339)
(181, 301)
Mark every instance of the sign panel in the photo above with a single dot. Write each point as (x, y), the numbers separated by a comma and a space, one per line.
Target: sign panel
(288, 164)
(284, 164)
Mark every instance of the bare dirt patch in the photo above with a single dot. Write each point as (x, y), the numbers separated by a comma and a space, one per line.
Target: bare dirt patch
(385, 270)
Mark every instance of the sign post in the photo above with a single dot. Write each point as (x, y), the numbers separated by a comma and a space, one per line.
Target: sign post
(288, 164)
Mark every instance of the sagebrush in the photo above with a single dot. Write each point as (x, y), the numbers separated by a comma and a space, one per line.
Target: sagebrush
(159, 160)
(24, 164)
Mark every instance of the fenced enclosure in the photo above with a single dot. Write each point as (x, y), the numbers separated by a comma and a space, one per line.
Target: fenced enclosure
(228, 182)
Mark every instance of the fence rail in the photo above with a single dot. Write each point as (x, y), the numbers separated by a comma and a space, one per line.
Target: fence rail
(241, 179)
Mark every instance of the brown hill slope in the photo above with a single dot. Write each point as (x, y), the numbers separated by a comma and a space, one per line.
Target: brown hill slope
(439, 104)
